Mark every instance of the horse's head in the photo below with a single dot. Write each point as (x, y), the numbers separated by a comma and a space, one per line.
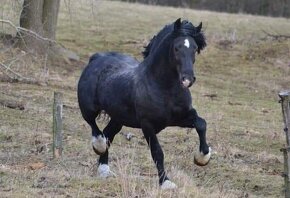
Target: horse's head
(187, 41)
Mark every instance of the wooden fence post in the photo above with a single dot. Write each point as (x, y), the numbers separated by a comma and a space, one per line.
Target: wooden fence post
(57, 125)
(285, 102)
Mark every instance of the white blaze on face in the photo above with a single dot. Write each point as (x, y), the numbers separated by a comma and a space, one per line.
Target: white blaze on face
(186, 43)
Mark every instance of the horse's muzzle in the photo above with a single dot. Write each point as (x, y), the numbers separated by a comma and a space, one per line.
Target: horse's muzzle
(186, 82)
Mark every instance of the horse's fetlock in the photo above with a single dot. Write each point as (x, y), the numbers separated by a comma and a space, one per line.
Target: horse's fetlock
(202, 159)
(99, 144)
(104, 171)
(167, 185)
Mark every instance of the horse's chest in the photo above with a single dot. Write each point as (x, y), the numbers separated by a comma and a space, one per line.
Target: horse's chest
(178, 105)
(164, 106)
(171, 107)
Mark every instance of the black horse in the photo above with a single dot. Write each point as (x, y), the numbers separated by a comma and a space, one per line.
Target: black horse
(150, 95)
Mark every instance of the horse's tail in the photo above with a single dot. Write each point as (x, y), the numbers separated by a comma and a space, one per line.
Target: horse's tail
(98, 55)
(95, 56)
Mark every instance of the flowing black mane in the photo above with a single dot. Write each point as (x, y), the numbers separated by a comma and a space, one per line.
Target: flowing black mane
(186, 29)
(155, 40)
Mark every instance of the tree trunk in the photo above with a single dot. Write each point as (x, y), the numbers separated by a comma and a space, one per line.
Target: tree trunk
(30, 18)
(49, 17)
(39, 16)
(31, 15)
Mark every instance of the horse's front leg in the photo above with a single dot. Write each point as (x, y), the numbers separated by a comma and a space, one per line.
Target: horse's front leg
(157, 154)
(202, 157)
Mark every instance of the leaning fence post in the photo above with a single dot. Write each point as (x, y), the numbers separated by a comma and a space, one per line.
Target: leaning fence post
(57, 125)
(285, 102)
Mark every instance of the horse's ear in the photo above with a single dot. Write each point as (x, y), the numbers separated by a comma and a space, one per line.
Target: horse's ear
(177, 24)
(198, 28)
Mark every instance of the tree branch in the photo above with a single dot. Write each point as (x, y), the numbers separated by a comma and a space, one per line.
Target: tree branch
(57, 46)
(30, 32)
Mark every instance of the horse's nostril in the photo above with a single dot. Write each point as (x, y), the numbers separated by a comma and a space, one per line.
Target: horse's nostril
(193, 80)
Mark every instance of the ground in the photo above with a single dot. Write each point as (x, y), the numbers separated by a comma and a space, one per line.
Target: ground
(239, 75)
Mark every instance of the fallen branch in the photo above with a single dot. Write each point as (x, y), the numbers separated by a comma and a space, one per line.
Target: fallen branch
(12, 104)
(8, 68)
(16, 77)
(276, 36)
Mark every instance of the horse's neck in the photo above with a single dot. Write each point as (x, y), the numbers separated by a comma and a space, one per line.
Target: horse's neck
(158, 67)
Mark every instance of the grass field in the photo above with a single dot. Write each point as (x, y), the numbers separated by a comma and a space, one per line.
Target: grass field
(238, 77)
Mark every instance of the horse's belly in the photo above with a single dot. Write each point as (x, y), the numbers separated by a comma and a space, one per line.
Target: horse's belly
(132, 124)
(125, 118)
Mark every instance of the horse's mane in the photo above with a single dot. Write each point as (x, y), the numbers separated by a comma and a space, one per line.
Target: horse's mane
(186, 29)
(166, 30)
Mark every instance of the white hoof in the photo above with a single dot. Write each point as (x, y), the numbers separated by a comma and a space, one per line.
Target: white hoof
(167, 185)
(99, 144)
(201, 159)
(104, 171)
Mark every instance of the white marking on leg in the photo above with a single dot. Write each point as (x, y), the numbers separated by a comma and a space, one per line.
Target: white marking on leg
(167, 185)
(186, 43)
(201, 158)
(99, 143)
(104, 171)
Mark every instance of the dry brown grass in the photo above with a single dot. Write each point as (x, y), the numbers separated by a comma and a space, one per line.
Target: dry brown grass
(243, 68)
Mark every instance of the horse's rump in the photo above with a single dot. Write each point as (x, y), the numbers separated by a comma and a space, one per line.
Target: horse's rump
(102, 83)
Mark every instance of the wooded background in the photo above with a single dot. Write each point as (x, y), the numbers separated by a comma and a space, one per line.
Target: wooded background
(277, 8)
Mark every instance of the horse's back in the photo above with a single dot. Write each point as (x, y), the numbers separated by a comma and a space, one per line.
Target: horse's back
(110, 62)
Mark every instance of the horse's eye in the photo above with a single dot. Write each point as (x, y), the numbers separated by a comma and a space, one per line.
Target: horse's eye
(176, 49)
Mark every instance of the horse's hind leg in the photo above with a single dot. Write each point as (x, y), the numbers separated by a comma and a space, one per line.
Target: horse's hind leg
(149, 132)
(110, 131)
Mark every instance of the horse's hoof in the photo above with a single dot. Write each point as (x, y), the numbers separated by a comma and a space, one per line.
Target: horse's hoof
(99, 144)
(104, 171)
(200, 159)
(167, 185)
